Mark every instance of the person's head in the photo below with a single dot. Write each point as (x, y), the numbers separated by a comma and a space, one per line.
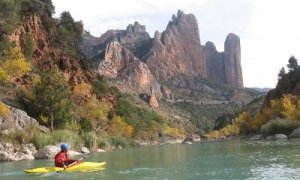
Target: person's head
(64, 147)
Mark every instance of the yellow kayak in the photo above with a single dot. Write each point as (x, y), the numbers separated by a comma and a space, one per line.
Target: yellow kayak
(83, 166)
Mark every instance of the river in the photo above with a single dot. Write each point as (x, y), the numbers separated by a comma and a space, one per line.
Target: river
(203, 160)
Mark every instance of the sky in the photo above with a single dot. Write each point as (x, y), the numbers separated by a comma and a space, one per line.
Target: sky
(269, 30)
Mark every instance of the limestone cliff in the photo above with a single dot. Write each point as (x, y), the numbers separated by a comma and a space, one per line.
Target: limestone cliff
(131, 74)
(177, 50)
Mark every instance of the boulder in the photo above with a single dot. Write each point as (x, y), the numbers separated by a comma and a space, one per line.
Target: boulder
(270, 138)
(280, 137)
(74, 153)
(101, 150)
(85, 150)
(9, 153)
(188, 140)
(255, 137)
(17, 119)
(48, 152)
(295, 133)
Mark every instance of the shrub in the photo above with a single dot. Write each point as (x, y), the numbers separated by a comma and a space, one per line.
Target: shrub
(4, 110)
(67, 136)
(123, 142)
(279, 126)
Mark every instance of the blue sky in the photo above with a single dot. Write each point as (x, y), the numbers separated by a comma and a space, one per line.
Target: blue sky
(269, 29)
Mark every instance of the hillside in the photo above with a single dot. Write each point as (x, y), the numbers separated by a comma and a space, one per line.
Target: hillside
(44, 73)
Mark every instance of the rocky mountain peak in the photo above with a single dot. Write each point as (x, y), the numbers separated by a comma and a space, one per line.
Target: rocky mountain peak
(178, 50)
(136, 28)
(211, 46)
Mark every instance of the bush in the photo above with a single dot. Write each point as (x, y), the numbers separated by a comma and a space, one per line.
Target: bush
(41, 139)
(86, 125)
(119, 141)
(279, 126)
(4, 110)
(67, 136)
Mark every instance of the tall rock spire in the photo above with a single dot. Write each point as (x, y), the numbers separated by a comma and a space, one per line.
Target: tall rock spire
(232, 61)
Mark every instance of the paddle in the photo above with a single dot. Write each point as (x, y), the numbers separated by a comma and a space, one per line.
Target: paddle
(72, 164)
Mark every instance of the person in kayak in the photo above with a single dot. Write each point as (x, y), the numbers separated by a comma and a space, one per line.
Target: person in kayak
(62, 158)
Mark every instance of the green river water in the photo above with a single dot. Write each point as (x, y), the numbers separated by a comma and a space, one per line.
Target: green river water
(204, 160)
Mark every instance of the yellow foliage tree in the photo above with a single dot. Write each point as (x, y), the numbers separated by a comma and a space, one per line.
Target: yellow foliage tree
(4, 110)
(96, 111)
(289, 109)
(120, 127)
(81, 92)
(16, 64)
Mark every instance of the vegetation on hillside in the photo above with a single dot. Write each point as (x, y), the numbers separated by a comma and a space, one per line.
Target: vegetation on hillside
(80, 114)
(281, 116)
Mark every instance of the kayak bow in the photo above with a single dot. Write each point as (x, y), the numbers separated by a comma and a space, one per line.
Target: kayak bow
(83, 166)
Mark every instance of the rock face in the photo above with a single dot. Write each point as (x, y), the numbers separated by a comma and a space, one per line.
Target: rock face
(10, 153)
(153, 100)
(17, 119)
(232, 58)
(214, 63)
(133, 75)
(135, 61)
(177, 50)
(46, 53)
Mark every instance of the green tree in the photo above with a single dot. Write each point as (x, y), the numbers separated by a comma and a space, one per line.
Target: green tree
(49, 7)
(49, 99)
(293, 63)
(281, 73)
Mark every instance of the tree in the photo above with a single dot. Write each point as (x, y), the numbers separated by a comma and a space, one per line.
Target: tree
(96, 111)
(293, 63)
(120, 127)
(49, 99)
(281, 73)
(15, 65)
(49, 7)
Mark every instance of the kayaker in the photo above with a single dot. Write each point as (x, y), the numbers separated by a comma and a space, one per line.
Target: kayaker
(62, 159)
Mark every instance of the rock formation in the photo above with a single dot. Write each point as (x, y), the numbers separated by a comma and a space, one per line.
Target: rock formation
(177, 50)
(138, 62)
(214, 63)
(131, 73)
(9, 152)
(153, 100)
(232, 58)
(225, 67)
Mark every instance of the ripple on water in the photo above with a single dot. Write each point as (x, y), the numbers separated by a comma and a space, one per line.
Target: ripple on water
(275, 171)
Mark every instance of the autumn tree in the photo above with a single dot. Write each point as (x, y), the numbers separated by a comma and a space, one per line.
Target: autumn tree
(81, 92)
(119, 127)
(95, 111)
(14, 65)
